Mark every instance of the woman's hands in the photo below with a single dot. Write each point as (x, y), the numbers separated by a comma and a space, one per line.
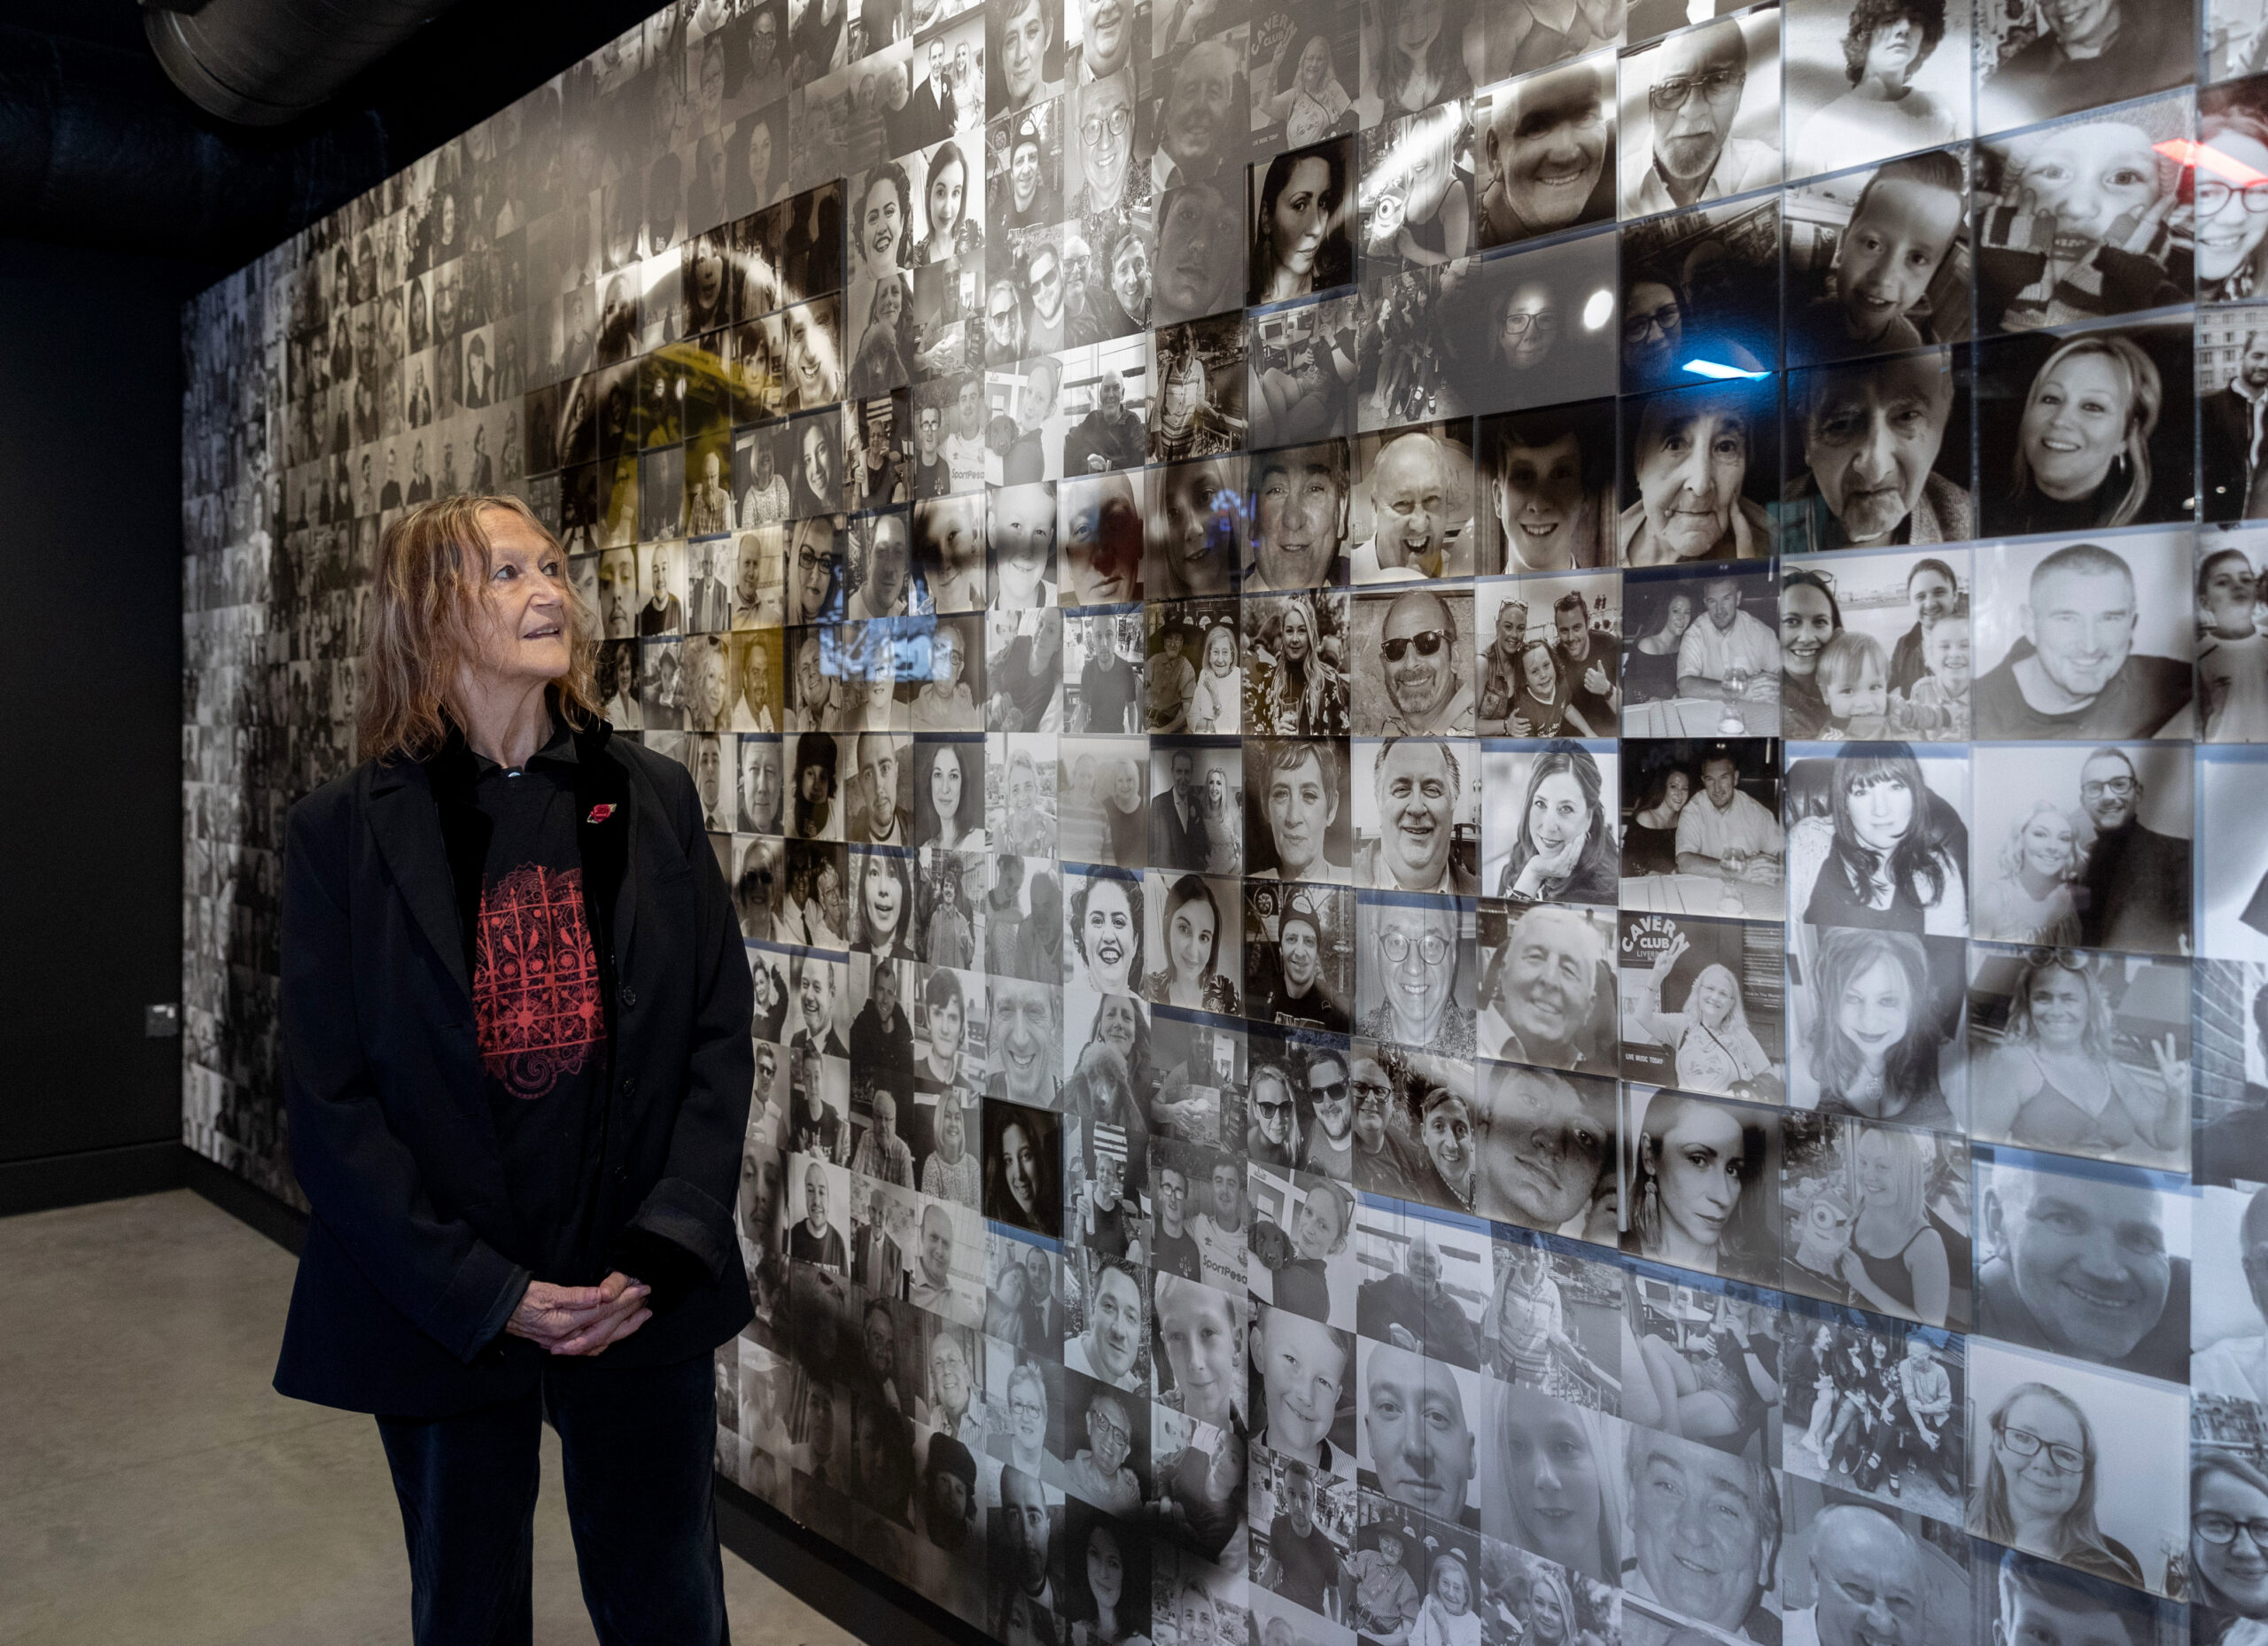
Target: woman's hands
(580, 1320)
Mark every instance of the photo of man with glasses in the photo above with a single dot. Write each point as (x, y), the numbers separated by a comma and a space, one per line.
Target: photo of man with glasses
(1693, 84)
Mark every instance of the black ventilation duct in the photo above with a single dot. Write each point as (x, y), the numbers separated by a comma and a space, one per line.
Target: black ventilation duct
(266, 62)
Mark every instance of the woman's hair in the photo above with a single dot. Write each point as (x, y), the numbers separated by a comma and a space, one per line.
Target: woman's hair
(1605, 1439)
(1917, 862)
(2096, 1038)
(1929, 16)
(1600, 853)
(433, 565)
(928, 826)
(1803, 577)
(1189, 888)
(899, 869)
(1131, 890)
(2011, 858)
(1334, 257)
(893, 174)
(1343, 1197)
(2145, 397)
(1736, 1015)
(2204, 1464)
(947, 153)
(1910, 1067)
(1444, 51)
(2247, 278)
(1910, 1158)
(2077, 1529)
(1227, 627)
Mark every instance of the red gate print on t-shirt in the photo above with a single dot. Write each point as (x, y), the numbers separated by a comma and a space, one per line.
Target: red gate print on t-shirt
(535, 984)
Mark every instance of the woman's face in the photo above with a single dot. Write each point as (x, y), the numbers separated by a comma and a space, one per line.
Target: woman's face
(1448, 1136)
(1297, 635)
(881, 224)
(2048, 844)
(945, 786)
(1875, 1010)
(759, 159)
(2229, 234)
(946, 185)
(1806, 623)
(889, 303)
(1115, 1025)
(1558, 814)
(1126, 789)
(1105, 1570)
(1020, 1167)
(1302, 216)
(885, 900)
(1881, 813)
(1192, 937)
(2059, 1006)
(2037, 1490)
(1415, 26)
(1220, 651)
(1451, 1584)
(1314, 64)
(1679, 617)
(2074, 423)
(1700, 1173)
(1712, 1000)
(1106, 934)
(1677, 788)
(1528, 327)
(2237, 1568)
(1552, 1477)
(1023, 788)
(1544, 1615)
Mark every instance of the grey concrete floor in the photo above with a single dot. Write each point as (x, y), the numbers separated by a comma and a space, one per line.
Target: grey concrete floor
(154, 1488)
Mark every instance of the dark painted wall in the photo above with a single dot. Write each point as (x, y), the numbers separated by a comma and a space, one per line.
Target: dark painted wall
(90, 671)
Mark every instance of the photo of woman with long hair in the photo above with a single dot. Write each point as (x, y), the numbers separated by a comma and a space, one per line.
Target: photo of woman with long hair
(2039, 1484)
(1888, 854)
(2030, 898)
(1192, 977)
(948, 795)
(1302, 204)
(1712, 1048)
(1701, 1181)
(1875, 1047)
(1565, 849)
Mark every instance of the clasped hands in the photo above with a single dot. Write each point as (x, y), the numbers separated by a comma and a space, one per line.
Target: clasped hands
(580, 1320)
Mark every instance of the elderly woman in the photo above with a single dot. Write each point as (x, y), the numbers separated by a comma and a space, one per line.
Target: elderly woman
(2030, 899)
(1688, 465)
(1713, 1048)
(419, 1295)
(2040, 1487)
(1888, 854)
(1873, 1041)
(2083, 442)
(1565, 851)
(1191, 926)
(2054, 1081)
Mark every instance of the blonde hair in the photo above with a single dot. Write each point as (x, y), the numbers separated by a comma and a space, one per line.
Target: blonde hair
(1845, 657)
(433, 565)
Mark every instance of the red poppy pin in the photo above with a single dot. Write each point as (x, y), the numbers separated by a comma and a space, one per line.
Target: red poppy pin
(601, 812)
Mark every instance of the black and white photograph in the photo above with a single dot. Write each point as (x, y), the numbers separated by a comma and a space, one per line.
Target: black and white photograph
(1699, 295)
(1543, 151)
(1199, 368)
(1556, 836)
(1202, 237)
(1303, 216)
(2234, 912)
(1876, 1025)
(2231, 1040)
(1701, 826)
(1877, 1411)
(1303, 1227)
(1877, 645)
(2081, 1054)
(1877, 837)
(1877, 455)
(1874, 79)
(1547, 991)
(1879, 261)
(2085, 432)
(1701, 114)
(1700, 470)
(2066, 1462)
(1552, 667)
(1299, 820)
(1417, 814)
(1700, 1183)
(1514, 332)
(1417, 975)
(1700, 1009)
(1196, 807)
(1412, 658)
(1193, 678)
(1416, 209)
(2232, 370)
(1300, 509)
(1304, 361)
(2231, 639)
(1414, 491)
(1299, 961)
(1699, 651)
(2064, 62)
(1872, 1219)
(1023, 669)
(2101, 642)
(1196, 525)
(1702, 1362)
(1102, 813)
(1545, 490)
(1192, 933)
(949, 552)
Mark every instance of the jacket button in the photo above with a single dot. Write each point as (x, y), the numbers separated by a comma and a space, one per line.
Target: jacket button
(630, 1085)
(629, 995)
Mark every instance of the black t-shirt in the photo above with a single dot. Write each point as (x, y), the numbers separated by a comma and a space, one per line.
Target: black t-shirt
(1108, 694)
(538, 1010)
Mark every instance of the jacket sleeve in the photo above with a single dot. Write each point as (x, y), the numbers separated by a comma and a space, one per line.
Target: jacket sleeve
(691, 1208)
(360, 1178)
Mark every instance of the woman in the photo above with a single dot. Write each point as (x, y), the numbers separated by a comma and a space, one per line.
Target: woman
(1198, 540)
(2231, 219)
(1224, 825)
(879, 364)
(1292, 688)
(882, 921)
(945, 702)
(2228, 1568)
(1650, 666)
(1193, 934)
(1423, 60)
(1556, 1489)
(2040, 1487)
(1038, 954)
(949, 1173)
(1885, 47)
(1896, 1262)
(1542, 703)
(756, 696)
(1023, 1179)
(1302, 244)
(1565, 852)
(1552, 1620)
(1126, 811)
(1120, 1025)
(2055, 1081)
(1809, 617)
(1523, 1327)
(1887, 856)
(1448, 1617)
(1716, 1053)
(1874, 1043)
(1315, 105)
(1811, 1366)
(948, 795)
(1120, 1616)
(952, 226)
(2083, 442)
(1106, 934)
(1216, 701)
(1649, 842)
(2030, 900)
(1720, 1387)
(482, 741)
(1693, 1167)
(1004, 1305)
(1320, 1231)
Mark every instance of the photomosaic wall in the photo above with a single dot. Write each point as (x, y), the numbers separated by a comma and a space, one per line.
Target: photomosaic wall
(1495, 775)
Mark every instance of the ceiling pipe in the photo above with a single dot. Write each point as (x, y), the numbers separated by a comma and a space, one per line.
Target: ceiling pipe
(268, 62)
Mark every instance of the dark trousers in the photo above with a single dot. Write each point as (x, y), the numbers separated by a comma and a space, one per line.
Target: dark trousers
(638, 1449)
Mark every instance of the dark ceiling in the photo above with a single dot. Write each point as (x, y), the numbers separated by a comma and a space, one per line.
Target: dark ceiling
(98, 148)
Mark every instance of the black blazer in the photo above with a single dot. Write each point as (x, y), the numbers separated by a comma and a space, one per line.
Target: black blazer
(412, 1259)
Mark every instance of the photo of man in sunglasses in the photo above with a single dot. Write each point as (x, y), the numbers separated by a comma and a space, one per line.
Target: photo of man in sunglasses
(1426, 694)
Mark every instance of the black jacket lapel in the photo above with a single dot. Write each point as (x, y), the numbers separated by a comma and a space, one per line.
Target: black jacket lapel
(407, 826)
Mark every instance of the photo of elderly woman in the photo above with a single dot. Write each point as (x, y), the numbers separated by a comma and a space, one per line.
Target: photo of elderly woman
(1701, 1183)
(1869, 80)
(2080, 1053)
(1700, 468)
(1696, 1014)
(2083, 433)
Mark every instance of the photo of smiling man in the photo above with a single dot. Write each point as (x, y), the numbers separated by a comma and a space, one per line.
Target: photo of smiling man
(1415, 825)
(1300, 506)
(2102, 640)
(1413, 665)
